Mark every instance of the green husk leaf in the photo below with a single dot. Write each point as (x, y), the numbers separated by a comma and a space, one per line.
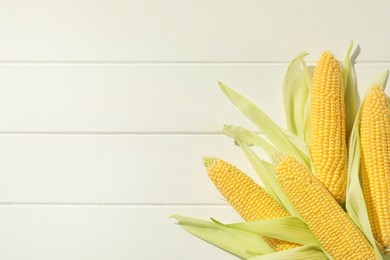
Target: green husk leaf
(300, 253)
(251, 139)
(287, 228)
(351, 97)
(296, 91)
(300, 143)
(239, 243)
(355, 203)
(270, 129)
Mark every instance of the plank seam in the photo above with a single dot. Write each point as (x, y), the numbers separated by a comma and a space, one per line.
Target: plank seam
(113, 62)
(97, 133)
(109, 134)
(160, 63)
(137, 205)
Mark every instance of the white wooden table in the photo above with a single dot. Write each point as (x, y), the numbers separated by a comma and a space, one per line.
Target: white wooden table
(107, 107)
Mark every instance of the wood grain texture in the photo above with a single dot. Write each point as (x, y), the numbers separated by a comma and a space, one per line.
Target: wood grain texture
(139, 98)
(136, 169)
(138, 30)
(101, 233)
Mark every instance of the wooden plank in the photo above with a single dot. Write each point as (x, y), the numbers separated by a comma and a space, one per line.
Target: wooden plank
(120, 98)
(135, 169)
(203, 30)
(101, 233)
(138, 98)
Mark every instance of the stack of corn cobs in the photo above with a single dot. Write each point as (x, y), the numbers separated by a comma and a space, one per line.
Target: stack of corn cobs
(326, 192)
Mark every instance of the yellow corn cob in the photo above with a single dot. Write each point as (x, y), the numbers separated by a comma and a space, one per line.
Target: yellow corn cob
(246, 197)
(327, 126)
(375, 163)
(335, 231)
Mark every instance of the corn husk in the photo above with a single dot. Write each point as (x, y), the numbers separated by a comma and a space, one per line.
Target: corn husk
(296, 92)
(299, 253)
(269, 128)
(237, 242)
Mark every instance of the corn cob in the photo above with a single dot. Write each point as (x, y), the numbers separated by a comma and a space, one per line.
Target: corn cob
(327, 126)
(335, 231)
(246, 197)
(375, 163)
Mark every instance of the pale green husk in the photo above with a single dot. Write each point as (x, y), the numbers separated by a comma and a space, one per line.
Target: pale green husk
(270, 129)
(245, 239)
(299, 253)
(237, 242)
(296, 92)
(288, 228)
(251, 139)
(351, 97)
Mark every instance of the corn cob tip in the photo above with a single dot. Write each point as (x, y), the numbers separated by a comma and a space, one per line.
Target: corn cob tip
(208, 161)
(377, 87)
(278, 158)
(327, 53)
(246, 196)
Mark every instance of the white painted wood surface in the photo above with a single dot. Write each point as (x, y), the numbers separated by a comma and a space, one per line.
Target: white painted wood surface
(187, 30)
(48, 232)
(135, 169)
(106, 108)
